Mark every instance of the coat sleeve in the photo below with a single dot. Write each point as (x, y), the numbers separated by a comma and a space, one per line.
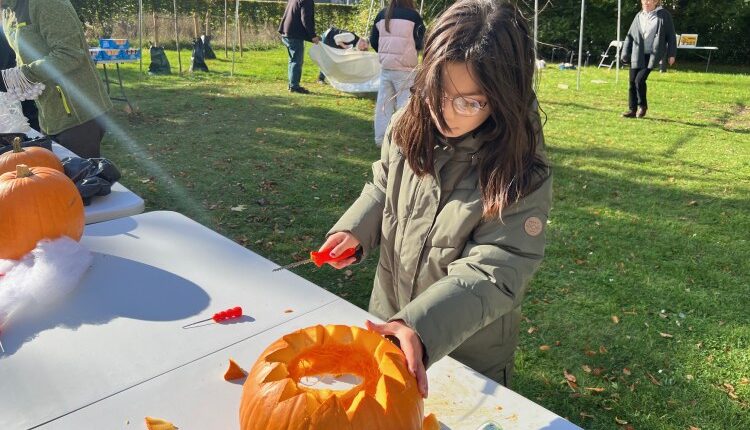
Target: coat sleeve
(671, 36)
(375, 34)
(364, 217)
(60, 29)
(419, 31)
(488, 281)
(308, 18)
(627, 44)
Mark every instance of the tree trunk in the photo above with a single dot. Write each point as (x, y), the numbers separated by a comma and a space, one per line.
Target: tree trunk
(226, 32)
(196, 25)
(156, 29)
(239, 28)
(208, 20)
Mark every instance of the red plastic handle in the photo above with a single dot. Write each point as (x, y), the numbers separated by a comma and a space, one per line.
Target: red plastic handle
(324, 256)
(228, 314)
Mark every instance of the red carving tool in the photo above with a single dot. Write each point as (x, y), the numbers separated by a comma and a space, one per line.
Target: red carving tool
(221, 316)
(320, 258)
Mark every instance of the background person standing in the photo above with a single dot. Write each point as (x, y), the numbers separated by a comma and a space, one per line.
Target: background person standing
(397, 35)
(51, 49)
(297, 25)
(651, 35)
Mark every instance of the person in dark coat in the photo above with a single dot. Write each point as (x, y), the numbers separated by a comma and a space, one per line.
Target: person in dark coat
(650, 37)
(297, 25)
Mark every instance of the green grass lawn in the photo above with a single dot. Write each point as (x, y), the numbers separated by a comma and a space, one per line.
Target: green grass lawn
(643, 296)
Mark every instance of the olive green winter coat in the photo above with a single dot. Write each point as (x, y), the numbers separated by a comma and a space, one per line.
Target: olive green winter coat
(50, 46)
(456, 279)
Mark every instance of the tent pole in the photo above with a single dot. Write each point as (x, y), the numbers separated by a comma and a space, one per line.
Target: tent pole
(617, 69)
(177, 36)
(226, 33)
(536, 28)
(580, 46)
(366, 30)
(140, 34)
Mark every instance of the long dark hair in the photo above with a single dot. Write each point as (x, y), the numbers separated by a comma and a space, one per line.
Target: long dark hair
(405, 4)
(492, 38)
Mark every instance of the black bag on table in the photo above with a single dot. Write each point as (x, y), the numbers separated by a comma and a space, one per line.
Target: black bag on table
(198, 62)
(92, 176)
(159, 62)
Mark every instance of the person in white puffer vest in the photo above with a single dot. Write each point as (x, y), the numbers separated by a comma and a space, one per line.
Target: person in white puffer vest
(397, 36)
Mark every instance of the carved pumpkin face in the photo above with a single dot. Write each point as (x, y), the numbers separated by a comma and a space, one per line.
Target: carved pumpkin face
(37, 203)
(33, 156)
(387, 397)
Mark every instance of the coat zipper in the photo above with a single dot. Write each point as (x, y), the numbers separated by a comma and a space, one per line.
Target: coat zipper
(64, 100)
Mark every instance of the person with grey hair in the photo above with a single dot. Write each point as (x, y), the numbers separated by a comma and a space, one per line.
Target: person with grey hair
(650, 37)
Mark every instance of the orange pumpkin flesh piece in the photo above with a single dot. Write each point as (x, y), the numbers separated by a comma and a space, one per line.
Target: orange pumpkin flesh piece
(387, 398)
(33, 156)
(159, 424)
(37, 203)
(234, 371)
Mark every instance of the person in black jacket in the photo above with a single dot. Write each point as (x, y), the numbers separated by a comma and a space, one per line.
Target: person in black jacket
(297, 25)
(651, 37)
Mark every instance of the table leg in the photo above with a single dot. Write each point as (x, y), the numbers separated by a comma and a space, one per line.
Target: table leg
(709, 60)
(122, 90)
(106, 77)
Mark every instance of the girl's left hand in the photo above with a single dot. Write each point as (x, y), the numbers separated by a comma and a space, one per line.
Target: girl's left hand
(410, 345)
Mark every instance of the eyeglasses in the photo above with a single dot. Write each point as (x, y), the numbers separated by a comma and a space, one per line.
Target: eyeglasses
(464, 106)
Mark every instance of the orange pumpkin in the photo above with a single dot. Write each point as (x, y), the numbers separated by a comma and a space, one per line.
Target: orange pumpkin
(386, 398)
(37, 203)
(33, 156)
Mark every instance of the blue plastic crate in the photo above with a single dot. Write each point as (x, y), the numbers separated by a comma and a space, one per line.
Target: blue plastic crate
(114, 43)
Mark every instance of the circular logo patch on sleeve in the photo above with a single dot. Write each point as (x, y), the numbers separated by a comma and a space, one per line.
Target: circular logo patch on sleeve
(533, 226)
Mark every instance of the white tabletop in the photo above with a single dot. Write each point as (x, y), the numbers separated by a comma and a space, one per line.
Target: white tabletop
(152, 274)
(114, 351)
(196, 396)
(121, 202)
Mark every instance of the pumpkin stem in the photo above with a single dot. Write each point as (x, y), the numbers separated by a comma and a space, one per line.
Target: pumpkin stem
(23, 171)
(17, 145)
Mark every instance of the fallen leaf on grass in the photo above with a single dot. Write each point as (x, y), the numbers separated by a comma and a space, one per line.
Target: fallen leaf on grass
(665, 335)
(626, 371)
(620, 422)
(694, 428)
(586, 368)
(594, 389)
(585, 415)
(238, 208)
(653, 380)
(615, 319)
(531, 330)
(602, 349)
(570, 377)
(597, 371)
(544, 348)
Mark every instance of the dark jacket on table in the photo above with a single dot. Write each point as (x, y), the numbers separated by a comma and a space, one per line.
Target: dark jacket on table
(633, 49)
(298, 21)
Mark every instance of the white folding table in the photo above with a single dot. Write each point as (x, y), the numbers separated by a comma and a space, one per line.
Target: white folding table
(115, 351)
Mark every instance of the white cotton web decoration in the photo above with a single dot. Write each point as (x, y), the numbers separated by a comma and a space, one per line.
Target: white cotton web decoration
(11, 115)
(52, 270)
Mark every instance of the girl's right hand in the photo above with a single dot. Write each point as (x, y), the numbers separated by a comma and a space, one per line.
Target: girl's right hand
(341, 241)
